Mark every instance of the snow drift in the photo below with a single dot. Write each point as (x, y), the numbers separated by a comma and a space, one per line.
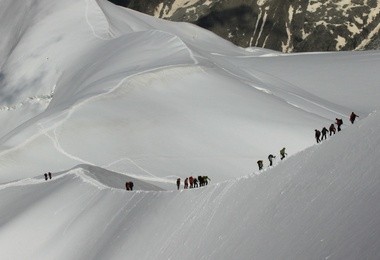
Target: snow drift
(127, 96)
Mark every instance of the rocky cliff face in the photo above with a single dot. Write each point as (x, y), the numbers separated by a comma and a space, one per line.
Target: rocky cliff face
(284, 25)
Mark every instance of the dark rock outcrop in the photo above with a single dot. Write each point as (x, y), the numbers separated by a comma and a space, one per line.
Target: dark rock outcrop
(284, 25)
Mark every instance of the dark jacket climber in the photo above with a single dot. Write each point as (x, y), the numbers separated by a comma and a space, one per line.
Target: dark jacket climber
(339, 122)
(260, 164)
(270, 158)
(283, 153)
(191, 182)
(353, 116)
(201, 182)
(324, 133)
(206, 179)
(317, 135)
(195, 183)
(127, 187)
(178, 183)
(186, 183)
(332, 129)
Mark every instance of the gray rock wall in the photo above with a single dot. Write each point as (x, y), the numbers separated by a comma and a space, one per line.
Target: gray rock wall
(284, 25)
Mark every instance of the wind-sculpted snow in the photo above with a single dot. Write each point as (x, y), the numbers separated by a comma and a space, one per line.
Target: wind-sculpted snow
(154, 98)
(320, 203)
(116, 96)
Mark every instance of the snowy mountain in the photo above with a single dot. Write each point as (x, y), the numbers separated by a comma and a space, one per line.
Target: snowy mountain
(287, 26)
(99, 95)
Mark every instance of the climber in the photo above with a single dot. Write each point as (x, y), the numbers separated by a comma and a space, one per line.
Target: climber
(206, 179)
(260, 164)
(353, 116)
(283, 153)
(270, 158)
(317, 135)
(332, 129)
(324, 133)
(195, 183)
(339, 122)
(191, 182)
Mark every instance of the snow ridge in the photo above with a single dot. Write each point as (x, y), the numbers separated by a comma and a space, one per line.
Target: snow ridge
(289, 205)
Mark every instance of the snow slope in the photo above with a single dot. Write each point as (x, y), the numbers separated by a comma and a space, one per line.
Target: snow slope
(160, 108)
(115, 95)
(319, 204)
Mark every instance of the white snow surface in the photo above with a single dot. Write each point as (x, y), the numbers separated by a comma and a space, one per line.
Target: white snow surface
(99, 95)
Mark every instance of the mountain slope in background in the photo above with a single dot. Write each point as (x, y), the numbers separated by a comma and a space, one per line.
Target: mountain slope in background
(116, 95)
(287, 26)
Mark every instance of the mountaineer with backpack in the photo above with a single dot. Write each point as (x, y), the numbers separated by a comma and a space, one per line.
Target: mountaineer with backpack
(324, 133)
(317, 135)
(332, 129)
(260, 164)
(129, 185)
(195, 183)
(283, 153)
(206, 179)
(339, 122)
(191, 182)
(201, 181)
(270, 158)
(353, 116)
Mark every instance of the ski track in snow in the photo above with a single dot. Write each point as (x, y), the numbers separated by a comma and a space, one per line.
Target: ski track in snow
(131, 161)
(59, 148)
(272, 78)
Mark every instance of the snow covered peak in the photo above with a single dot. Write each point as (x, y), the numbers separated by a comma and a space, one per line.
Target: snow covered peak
(116, 96)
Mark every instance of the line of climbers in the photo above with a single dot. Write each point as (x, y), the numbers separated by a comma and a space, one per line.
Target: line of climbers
(321, 135)
(203, 180)
(193, 182)
(271, 157)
